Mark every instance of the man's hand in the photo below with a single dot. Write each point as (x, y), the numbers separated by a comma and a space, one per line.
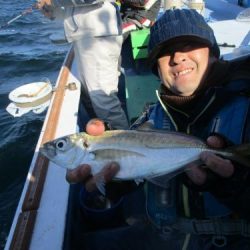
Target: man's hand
(218, 165)
(82, 174)
(41, 3)
(46, 8)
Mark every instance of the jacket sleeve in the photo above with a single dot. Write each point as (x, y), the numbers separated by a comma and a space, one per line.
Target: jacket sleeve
(234, 192)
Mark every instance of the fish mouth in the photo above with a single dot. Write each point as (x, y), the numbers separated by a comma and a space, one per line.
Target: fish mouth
(48, 151)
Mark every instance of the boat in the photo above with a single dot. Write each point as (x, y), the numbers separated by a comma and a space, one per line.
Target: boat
(49, 214)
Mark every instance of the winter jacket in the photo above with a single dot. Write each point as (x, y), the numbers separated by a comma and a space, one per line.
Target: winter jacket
(225, 110)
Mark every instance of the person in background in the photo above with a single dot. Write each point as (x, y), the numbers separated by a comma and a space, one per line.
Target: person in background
(94, 29)
(138, 14)
(207, 207)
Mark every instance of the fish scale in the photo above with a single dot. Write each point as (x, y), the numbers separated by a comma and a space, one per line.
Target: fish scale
(152, 139)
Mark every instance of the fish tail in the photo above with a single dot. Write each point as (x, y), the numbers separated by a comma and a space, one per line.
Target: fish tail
(240, 154)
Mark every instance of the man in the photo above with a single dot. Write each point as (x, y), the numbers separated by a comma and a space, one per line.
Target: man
(207, 207)
(94, 28)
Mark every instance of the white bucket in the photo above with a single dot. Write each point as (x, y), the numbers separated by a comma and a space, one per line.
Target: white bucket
(32, 96)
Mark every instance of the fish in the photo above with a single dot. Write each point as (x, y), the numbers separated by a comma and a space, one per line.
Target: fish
(140, 154)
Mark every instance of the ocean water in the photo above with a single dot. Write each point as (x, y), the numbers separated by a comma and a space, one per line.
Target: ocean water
(27, 55)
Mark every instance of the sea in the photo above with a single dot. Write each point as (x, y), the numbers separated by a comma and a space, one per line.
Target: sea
(27, 54)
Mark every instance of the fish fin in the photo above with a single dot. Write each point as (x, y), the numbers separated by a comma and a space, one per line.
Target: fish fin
(239, 153)
(138, 181)
(112, 154)
(100, 183)
(163, 179)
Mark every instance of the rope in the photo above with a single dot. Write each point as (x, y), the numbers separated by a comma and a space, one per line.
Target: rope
(35, 93)
(34, 103)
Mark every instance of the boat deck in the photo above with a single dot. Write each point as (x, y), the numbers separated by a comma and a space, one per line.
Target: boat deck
(48, 201)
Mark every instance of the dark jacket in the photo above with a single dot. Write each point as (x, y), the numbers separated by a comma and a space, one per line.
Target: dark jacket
(221, 106)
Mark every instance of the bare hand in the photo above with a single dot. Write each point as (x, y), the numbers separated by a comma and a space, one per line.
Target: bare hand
(46, 8)
(42, 3)
(82, 174)
(218, 165)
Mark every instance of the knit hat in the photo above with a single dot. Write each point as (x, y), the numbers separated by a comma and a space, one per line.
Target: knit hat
(180, 24)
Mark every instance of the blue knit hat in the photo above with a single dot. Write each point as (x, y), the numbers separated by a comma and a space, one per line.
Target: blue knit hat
(180, 24)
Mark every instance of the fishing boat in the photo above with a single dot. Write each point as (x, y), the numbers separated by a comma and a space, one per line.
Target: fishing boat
(49, 214)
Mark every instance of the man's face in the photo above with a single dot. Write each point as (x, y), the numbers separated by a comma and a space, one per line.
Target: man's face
(183, 67)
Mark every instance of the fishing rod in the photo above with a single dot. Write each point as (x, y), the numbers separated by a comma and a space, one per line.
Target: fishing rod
(25, 12)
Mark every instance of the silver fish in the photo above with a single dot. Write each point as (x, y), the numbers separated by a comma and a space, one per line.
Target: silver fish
(140, 154)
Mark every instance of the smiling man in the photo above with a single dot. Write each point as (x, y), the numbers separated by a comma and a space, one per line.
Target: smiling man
(183, 47)
(207, 207)
(183, 67)
(182, 70)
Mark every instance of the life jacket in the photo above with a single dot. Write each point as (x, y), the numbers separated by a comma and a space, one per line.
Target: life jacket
(226, 114)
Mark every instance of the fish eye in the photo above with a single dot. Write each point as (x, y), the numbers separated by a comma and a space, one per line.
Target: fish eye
(60, 144)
